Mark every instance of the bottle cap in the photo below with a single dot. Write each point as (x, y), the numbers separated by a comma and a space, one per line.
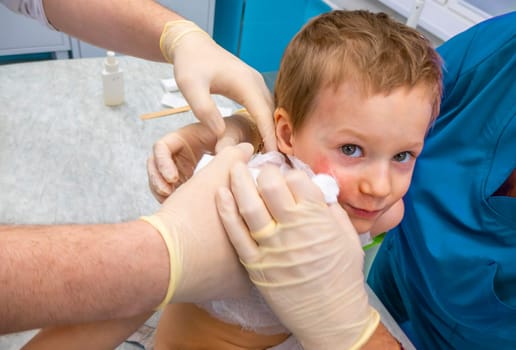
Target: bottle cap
(111, 63)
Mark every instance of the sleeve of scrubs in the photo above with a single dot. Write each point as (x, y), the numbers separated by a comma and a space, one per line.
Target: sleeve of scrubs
(30, 8)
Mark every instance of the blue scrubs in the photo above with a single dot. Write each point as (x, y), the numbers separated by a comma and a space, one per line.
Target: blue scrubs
(449, 268)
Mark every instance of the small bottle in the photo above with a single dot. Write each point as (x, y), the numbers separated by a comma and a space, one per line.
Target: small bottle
(112, 81)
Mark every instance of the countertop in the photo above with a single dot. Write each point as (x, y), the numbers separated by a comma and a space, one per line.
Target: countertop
(65, 157)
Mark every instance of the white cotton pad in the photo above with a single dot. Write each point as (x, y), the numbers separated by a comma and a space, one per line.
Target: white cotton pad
(176, 100)
(328, 186)
(173, 99)
(169, 85)
(325, 182)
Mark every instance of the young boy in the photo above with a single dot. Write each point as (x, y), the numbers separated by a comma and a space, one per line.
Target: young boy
(355, 95)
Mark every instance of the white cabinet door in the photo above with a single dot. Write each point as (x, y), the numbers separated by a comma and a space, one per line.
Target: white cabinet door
(22, 35)
(200, 11)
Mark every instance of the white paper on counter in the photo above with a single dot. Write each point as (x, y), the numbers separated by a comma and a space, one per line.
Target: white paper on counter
(176, 99)
(169, 85)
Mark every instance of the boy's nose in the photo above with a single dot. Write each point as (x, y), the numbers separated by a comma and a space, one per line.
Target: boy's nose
(376, 180)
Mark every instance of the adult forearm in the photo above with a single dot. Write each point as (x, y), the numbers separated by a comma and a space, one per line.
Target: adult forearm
(51, 275)
(129, 26)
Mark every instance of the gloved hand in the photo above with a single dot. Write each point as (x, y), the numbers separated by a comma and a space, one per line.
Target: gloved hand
(202, 67)
(303, 255)
(202, 261)
(176, 154)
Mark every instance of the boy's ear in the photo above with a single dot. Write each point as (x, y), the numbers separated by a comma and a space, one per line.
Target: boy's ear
(284, 134)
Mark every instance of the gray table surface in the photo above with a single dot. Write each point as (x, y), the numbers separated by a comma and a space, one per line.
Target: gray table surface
(65, 157)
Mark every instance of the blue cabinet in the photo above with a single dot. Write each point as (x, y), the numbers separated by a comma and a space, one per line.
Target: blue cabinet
(258, 31)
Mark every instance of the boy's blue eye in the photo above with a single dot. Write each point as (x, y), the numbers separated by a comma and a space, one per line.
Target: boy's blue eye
(351, 150)
(402, 157)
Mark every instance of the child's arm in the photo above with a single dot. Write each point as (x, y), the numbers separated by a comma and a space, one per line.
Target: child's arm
(96, 335)
(186, 326)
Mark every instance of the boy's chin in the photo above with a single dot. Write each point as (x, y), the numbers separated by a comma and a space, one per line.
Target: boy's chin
(362, 226)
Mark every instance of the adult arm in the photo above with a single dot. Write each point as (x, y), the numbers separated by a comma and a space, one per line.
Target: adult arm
(134, 26)
(79, 273)
(131, 26)
(52, 275)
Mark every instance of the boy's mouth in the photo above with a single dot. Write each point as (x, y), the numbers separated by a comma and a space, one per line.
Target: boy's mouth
(362, 213)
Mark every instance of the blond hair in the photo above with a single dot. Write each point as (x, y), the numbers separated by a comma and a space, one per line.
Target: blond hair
(370, 50)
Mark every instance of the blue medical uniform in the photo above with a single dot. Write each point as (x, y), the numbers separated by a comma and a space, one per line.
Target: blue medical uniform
(449, 268)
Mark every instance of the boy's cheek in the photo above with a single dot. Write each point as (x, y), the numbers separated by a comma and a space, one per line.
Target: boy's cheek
(321, 165)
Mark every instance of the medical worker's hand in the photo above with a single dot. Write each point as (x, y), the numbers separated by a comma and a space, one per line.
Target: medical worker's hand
(303, 255)
(175, 155)
(202, 67)
(203, 263)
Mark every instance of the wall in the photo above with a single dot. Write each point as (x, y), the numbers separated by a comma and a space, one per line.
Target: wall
(377, 6)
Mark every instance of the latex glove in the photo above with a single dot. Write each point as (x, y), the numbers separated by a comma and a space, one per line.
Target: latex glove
(201, 256)
(303, 255)
(202, 67)
(176, 155)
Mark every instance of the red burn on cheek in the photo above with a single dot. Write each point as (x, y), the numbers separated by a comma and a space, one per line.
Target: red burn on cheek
(321, 165)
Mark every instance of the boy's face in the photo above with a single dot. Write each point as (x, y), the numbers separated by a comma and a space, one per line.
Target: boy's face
(369, 144)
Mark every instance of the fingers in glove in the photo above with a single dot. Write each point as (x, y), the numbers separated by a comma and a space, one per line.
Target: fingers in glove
(275, 192)
(159, 187)
(248, 199)
(260, 107)
(228, 158)
(232, 135)
(197, 94)
(302, 187)
(266, 128)
(344, 222)
(224, 142)
(342, 217)
(236, 228)
(240, 127)
(250, 91)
